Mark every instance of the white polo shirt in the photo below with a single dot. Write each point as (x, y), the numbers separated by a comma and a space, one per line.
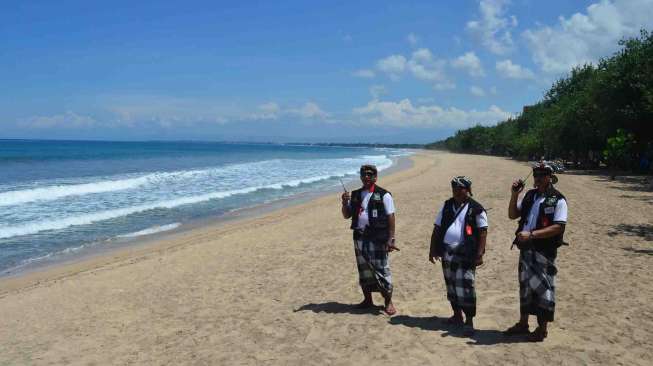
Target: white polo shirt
(455, 233)
(388, 204)
(559, 213)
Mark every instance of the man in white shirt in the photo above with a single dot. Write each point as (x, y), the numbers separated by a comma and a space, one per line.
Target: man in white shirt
(372, 214)
(459, 238)
(543, 215)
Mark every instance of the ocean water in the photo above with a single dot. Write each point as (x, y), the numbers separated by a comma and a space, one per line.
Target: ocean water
(60, 197)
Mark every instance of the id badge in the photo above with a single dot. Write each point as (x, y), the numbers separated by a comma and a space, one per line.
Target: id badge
(375, 213)
(549, 210)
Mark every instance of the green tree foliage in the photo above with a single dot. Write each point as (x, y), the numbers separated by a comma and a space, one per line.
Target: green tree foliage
(619, 149)
(579, 113)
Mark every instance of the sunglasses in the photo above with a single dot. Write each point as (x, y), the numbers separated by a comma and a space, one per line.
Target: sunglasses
(368, 174)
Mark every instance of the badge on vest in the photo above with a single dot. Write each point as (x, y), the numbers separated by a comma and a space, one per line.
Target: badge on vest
(377, 197)
(551, 201)
(375, 213)
(549, 210)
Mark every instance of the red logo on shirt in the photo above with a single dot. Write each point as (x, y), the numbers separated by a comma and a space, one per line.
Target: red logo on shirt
(545, 221)
(468, 230)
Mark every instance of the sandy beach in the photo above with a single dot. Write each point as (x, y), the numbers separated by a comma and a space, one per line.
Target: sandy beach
(278, 288)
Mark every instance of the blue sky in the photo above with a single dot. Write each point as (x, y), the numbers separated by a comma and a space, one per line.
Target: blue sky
(291, 71)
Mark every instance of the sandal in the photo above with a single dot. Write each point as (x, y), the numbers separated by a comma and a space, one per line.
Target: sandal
(517, 329)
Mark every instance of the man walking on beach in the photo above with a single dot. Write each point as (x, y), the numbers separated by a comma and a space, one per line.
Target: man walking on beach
(371, 210)
(459, 238)
(542, 217)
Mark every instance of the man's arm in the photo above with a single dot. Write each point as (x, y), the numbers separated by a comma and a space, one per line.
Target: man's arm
(433, 251)
(391, 230)
(513, 211)
(346, 208)
(482, 239)
(548, 232)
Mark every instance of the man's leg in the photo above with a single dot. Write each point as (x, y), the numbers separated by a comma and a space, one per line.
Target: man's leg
(457, 316)
(540, 332)
(367, 300)
(448, 274)
(364, 275)
(521, 327)
(389, 307)
(466, 283)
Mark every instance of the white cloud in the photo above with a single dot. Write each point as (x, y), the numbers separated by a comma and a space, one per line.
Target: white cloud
(269, 110)
(377, 90)
(309, 110)
(138, 110)
(469, 62)
(493, 29)
(513, 71)
(477, 91)
(364, 73)
(424, 67)
(165, 111)
(421, 65)
(405, 114)
(392, 65)
(585, 37)
(444, 85)
(425, 100)
(272, 111)
(66, 120)
(412, 39)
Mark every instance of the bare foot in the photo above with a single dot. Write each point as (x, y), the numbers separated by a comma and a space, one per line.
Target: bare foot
(454, 320)
(390, 309)
(517, 329)
(538, 335)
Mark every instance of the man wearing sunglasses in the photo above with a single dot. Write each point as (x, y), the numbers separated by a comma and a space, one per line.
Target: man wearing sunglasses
(542, 214)
(372, 214)
(459, 238)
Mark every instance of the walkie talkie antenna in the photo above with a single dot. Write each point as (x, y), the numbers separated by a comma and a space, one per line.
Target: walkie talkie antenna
(343, 185)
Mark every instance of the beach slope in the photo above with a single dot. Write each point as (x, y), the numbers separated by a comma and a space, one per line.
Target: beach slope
(277, 289)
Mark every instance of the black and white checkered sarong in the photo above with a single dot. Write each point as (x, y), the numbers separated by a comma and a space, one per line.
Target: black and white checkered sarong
(373, 266)
(537, 284)
(459, 275)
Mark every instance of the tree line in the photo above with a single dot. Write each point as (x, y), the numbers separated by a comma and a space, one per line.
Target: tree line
(596, 114)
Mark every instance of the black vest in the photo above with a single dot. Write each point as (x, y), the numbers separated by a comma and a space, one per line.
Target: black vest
(469, 247)
(378, 218)
(545, 216)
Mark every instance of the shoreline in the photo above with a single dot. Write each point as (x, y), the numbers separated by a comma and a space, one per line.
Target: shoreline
(280, 288)
(105, 253)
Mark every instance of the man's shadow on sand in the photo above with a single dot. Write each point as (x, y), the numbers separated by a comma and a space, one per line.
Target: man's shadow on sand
(481, 337)
(333, 307)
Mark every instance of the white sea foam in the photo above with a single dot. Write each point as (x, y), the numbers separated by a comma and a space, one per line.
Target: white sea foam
(112, 184)
(169, 190)
(59, 191)
(151, 230)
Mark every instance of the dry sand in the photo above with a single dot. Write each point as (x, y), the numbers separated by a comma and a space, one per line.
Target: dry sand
(277, 289)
